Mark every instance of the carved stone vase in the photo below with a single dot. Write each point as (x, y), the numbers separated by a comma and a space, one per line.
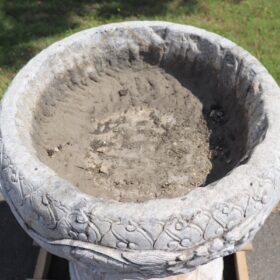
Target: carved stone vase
(159, 237)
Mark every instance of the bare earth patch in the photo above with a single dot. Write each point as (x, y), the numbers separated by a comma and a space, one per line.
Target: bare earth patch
(131, 134)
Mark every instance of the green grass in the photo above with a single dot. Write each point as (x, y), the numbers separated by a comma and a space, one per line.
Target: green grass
(28, 26)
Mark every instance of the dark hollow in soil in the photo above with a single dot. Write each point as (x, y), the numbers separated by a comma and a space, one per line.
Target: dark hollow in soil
(141, 132)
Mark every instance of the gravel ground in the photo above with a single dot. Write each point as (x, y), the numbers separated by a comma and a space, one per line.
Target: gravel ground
(264, 260)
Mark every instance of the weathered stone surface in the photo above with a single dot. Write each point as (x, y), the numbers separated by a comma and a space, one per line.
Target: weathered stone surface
(210, 271)
(158, 237)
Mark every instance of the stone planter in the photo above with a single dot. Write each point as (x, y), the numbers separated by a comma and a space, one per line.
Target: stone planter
(157, 237)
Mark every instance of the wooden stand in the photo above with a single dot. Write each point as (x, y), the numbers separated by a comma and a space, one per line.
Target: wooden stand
(240, 263)
(42, 264)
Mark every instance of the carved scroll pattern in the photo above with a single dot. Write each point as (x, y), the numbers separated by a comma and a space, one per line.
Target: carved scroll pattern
(203, 234)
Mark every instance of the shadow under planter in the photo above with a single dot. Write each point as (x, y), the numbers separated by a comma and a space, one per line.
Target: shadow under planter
(18, 254)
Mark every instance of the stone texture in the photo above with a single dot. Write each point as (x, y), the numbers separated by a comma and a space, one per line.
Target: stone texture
(210, 271)
(142, 238)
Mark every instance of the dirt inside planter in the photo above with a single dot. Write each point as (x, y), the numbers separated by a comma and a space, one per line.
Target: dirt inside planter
(135, 134)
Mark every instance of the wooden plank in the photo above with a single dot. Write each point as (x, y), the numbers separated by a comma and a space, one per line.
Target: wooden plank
(247, 247)
(42, 264)
(277, 208)
(241, 267)
(1, 196)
